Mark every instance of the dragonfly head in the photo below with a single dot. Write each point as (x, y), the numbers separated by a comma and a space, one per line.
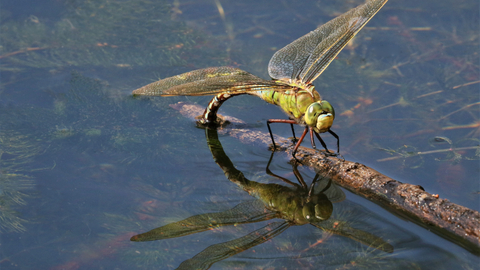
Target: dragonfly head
(320, 116)
(319, 208)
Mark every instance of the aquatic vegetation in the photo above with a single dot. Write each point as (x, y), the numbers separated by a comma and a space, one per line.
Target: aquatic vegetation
(87, 117)
(466, 149)
(100, 33)
(16, 152)
(94, 119)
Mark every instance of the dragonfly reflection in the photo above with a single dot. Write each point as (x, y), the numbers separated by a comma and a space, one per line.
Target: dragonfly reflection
(296, 205)
(293, 70)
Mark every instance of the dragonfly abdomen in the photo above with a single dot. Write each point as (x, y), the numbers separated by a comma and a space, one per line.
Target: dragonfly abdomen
(210, 114)
(294, 103)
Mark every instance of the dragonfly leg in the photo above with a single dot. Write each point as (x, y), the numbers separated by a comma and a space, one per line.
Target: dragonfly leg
(338, 143)
(336, 137)
(299, 176)
(311, 138)
(271, 134)
(269, 172)
(293, 132)
(321, 141)
(299, 142)
(312, 186)
(269, 121)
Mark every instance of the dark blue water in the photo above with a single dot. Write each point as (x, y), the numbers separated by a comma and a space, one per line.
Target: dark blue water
(84, 166)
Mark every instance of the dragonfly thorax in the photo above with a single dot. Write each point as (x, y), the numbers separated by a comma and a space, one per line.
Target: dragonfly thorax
(320, 116)
(298, 84)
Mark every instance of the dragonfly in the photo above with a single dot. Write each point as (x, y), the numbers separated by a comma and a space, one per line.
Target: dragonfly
(295, 205)
(292, 69)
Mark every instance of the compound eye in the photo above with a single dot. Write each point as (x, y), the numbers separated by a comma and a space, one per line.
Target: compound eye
(308, 211)
(312, 113)
(314, 109)
(327, 107)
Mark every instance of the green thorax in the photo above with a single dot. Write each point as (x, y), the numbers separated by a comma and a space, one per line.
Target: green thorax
(294, 102)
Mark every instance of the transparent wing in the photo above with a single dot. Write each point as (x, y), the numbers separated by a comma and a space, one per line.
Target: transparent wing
(333, 192)
(218, 252)
(343, 229)
(246, 212)
(209, 81)
(307, 57)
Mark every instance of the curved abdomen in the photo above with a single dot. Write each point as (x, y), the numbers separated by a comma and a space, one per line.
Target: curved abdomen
(293, 103)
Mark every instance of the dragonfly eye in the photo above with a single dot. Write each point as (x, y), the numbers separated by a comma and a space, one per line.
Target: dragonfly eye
(323, 208)
(327, 107)
(312, 113)
(320, 208)
(320, 115)
(308, 211)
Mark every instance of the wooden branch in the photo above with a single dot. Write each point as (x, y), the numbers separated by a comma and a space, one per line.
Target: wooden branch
(449, 220)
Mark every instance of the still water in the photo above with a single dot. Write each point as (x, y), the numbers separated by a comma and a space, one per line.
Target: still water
(84, 166)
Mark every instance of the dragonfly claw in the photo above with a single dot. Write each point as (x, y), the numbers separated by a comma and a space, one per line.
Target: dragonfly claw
(330, 154)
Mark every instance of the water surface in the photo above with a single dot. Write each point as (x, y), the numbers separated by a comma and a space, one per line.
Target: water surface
(84, 166)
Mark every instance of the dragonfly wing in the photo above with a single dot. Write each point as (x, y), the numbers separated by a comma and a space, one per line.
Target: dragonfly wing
(246, 212)
(307, 57)
(333, 192)
(208, 81)
(343, 229)
(218, 252)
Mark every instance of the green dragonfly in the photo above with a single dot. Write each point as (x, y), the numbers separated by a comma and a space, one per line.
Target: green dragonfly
(293, 69)
(295, 205)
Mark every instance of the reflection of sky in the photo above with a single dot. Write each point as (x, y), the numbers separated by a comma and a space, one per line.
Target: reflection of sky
(135, 164)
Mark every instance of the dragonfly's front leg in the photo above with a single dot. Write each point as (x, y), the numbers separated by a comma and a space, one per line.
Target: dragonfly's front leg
(320, 139)
(311, 137)
(338, 140)
(327, 152)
